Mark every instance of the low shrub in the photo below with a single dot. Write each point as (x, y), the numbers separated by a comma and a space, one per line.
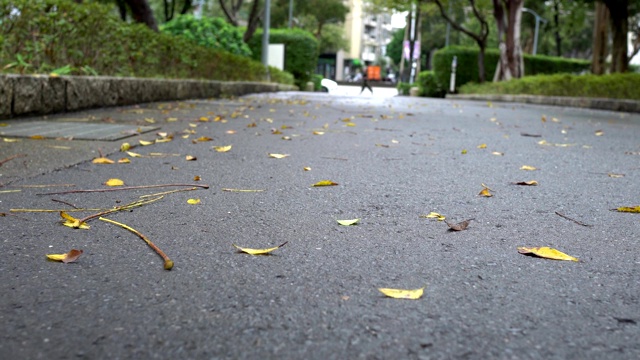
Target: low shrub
(41, 36)
(614, 86)
(429, 85)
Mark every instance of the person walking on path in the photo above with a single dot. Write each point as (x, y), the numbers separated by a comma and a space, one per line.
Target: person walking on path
(365, 83)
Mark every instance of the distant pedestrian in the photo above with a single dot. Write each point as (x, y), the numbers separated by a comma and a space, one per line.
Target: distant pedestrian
(365, 83)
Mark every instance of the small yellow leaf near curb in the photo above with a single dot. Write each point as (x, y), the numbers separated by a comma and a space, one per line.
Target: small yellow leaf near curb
(348, 222)
(203, 139)
(222, 148)
(145, 143)
(434, 215)
(482, 146)
(71, 256)
(527, 183)
(103, 160)
(278, 156)
(402, 294)
(114, 182)
(72, 222)
(545, 252)
(259, 251)
(125, 146)
(193, 201)
(528, 168)
(632, 209)
(325, 183)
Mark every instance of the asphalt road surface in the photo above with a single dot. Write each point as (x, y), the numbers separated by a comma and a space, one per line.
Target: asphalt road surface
(395, 159)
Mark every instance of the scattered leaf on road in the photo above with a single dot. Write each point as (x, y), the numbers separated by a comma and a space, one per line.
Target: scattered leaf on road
(134, 155)
(599, 133)
(526, 183)
(348, 222)
(528, 168)
(114, 182)
(482, 146)
(72, 222)
(190, 158)
(103, 160)
(278, 156)
(485, 192)
(545, 252)
(222, 148)
(258, 251)
(125, 146)
(325, 183)
(459, 226)
(464, 151)
(434, 215)
(497, 153)
(402, 294)
(124, 161)
(145, 143)
(71, 256)
(306, 168)
(629, 209)
(193, 201)
(612, 175)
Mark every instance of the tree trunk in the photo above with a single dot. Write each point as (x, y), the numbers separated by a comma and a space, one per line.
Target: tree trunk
(186, 7)
(600, 38)
(619, 16)
(142, 13)
(122, 9)
(510, 64)
(556, 21)
(254, 20)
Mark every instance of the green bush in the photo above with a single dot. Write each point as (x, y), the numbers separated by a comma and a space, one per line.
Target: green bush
(404, 88)
(43, 35)
(317, 79)
(467, 67)
(429, 85)
(615, 86)
(300, 51)
(214, 33)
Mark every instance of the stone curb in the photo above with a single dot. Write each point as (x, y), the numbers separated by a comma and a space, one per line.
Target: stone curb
(591, 103)
(40, 94)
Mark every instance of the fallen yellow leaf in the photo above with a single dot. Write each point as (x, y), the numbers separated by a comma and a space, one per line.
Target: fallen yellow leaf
(402, 294)
(124, 161)
(306, 168)
(36, 137)
(325, 183)
(633, 209)
(230, 132)
(132, 154)
(434, 215)
(203, 139)
(190, 158)
(612, 175)
(485, 192)
(318, 133)
(150, 120)
(125, 146)
(193, 201)
(527, 183)
(103, 160)
(464, 151)
(71, 256)
(222, 148)
(527, 167)
(145, 143)
(72, 222)
(258, 251)
(348, 222)
(10, 140)
(172, 119)
(546, 252)
(114, 182)
(599, 133)
(196, 178)
(482, 146)
(278, 156)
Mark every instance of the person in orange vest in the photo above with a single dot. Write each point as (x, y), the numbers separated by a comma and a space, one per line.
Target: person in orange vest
(365, 83)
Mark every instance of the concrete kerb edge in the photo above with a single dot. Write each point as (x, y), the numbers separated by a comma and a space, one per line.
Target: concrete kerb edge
(40, 94)
(623, 105)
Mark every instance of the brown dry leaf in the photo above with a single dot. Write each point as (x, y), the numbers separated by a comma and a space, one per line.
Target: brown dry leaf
(325, 183)
(459, 226)
(526, 183)
(545, 252)
(36, 137)
(103, 160)
(275, 131)
(114, 182)
(196, 178)
(252, 125)
(203, 139)
(71, 256)
(190, 158)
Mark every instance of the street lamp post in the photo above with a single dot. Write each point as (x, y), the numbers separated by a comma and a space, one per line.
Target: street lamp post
(265, 37)
(535, 35)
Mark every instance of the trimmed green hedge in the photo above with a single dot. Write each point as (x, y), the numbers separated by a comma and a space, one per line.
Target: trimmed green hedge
(429, 85)
(467, 69)
(300, 51)
(43, 35)
(613, 86)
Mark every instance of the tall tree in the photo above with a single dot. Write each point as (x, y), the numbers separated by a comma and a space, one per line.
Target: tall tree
(619, 18)
(325, 12)
(600, 39)
(231, 9)
(508, 15)
(480, 37)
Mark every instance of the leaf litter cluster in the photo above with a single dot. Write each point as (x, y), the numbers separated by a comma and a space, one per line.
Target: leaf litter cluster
(81, 223)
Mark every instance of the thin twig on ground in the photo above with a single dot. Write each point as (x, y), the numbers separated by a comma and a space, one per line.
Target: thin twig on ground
(122, 188)
(575, 221)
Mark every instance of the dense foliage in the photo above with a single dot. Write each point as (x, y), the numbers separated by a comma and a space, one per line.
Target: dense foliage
(41, 36)
(301, 51)
(467, 67)
(214, 33)
(613, 86)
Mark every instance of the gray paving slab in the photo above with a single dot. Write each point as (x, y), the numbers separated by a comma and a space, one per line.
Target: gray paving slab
(394, 159)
